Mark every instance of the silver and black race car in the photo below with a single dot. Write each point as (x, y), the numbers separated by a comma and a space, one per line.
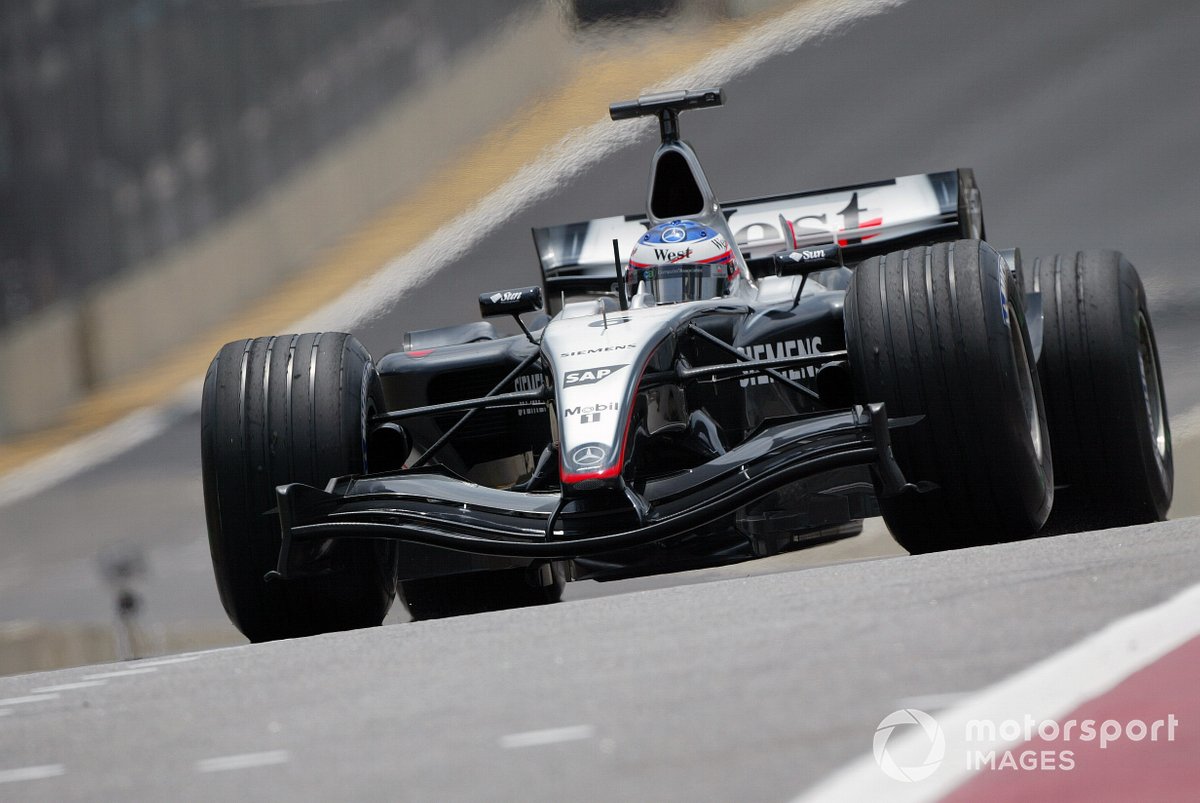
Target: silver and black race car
(755, 377)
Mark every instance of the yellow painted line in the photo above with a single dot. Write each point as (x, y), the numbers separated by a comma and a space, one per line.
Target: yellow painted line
(620, 72)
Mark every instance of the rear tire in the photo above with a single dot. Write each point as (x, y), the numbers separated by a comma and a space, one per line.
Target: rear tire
(1104, 393)
(496, 590)
(277, 410)
(940, 332)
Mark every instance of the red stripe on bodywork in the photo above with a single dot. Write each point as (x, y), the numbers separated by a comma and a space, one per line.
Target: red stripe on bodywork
(877, 221)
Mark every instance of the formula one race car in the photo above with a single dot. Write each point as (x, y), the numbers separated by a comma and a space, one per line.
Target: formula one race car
(754, 377)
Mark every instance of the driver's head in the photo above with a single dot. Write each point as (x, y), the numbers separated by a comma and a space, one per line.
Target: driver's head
(681, 261)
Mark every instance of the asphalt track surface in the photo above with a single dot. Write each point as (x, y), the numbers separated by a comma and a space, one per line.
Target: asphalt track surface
(747, 689)
(1080, 121)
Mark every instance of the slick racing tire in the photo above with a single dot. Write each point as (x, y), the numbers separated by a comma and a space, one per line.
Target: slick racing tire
(496, 590)
(1104, 393)
(939, 333)
(278, 410)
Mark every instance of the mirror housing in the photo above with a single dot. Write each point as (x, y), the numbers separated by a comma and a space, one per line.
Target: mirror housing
(809, 259)
(510, 302)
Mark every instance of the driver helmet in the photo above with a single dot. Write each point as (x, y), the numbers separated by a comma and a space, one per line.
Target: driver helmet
(681, 261)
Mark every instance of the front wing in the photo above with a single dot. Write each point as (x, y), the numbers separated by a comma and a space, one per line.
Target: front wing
(434, 508)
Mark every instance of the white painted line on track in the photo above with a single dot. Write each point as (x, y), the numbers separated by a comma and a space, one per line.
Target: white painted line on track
(29, 698)
(83, 684)
(32, 773)
(5, 712)
(178, 659)
(1044, 691)
(122, 673)
(371, 297)
(243, 761)
(571, 733)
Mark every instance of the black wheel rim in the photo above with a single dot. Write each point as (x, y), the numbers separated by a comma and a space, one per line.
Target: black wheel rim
(1156, 414)
(1025, 379)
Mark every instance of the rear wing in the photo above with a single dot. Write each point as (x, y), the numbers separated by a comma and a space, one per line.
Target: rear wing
(865, 219)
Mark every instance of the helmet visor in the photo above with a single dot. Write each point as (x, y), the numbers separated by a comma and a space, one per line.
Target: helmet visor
(672, 283)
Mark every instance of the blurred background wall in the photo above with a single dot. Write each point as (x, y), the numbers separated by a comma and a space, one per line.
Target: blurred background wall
(128, 126)
(164, 161)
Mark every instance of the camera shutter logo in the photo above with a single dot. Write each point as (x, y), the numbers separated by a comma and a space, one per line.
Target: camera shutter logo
(929, 727)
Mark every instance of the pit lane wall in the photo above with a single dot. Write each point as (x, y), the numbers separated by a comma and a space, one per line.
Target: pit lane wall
(165, 162)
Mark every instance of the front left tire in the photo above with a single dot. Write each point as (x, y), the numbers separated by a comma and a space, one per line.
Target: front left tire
(938, 332)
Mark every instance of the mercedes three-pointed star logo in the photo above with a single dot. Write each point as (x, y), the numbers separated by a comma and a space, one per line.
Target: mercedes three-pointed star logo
(589, 455)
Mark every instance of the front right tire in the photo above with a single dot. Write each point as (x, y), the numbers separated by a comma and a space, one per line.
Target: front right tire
(278, 410)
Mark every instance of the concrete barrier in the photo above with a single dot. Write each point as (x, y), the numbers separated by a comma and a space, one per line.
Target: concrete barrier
(41, 369)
